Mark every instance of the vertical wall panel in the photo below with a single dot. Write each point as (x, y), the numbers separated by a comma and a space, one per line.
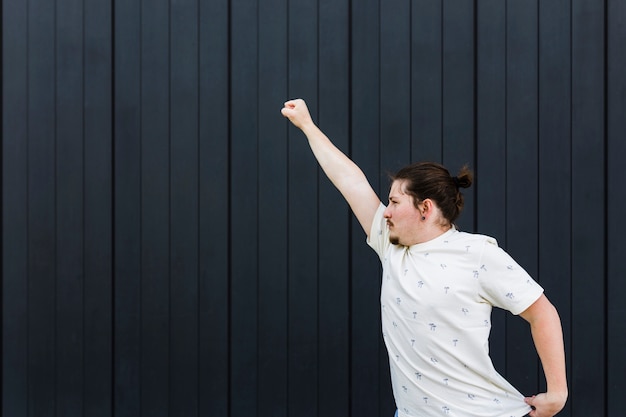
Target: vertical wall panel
(184, 208)
(615, 85)
(243, 195)
(213, 248)
(15, 239)
(272, 179)
(334, 216)
(395, 83)
(522, 176)
(588, 244)
(98, 265)
(458, 95)
(155, 209)
(41, 209)
(69, 207)
(127, 209)
(426, 80)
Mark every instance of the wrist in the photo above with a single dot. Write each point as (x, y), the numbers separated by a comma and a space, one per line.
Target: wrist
(308, 127)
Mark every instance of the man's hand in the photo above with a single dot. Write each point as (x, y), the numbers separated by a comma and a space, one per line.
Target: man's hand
(546, 405)
(298, 113)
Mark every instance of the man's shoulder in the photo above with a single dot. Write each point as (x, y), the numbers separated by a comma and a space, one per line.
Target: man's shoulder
(474, 238)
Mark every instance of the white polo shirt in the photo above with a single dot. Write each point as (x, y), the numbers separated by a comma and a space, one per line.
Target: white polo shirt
(436, 302)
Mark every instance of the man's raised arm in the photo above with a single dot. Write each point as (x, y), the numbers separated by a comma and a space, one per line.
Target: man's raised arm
(341, 170)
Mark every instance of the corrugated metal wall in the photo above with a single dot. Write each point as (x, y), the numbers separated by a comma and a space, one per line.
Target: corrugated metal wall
(170, 247)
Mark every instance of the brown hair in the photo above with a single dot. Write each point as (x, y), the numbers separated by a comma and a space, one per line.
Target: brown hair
(432, 180)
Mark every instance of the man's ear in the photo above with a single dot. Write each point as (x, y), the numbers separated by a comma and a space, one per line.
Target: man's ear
(427, 206)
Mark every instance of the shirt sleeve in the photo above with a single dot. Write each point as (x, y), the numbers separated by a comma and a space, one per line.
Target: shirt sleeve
(378, 238)
(504, 282)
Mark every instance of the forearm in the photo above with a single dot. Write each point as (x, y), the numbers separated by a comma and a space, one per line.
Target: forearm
(548, 338)
(340, 169)
(545, 327)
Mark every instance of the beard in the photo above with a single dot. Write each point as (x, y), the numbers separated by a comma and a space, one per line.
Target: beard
(395, 240)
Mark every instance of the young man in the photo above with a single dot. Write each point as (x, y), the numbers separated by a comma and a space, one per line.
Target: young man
(438, 289)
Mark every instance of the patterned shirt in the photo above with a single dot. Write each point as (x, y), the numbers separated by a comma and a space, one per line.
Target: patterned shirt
(436, 302)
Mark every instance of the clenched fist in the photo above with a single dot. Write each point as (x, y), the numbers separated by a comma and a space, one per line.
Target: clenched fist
(297, 112)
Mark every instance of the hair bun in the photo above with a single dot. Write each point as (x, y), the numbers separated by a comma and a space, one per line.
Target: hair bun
(464, 178)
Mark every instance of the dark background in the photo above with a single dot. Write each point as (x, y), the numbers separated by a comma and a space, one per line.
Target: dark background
(170, 247)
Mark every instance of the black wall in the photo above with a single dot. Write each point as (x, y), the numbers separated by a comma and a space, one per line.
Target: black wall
(170, 247)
